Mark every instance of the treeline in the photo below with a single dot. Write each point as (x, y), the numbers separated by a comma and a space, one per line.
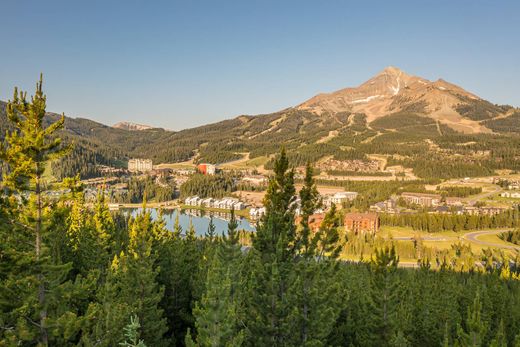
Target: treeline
(459, 191)
(512, 236)
(357, 173)
(444, 168)
(84, 159)
(147, 187)
(215, 186)
(509, 124)
(452, 222)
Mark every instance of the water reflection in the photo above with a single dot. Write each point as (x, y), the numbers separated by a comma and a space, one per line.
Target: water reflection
(199, 218)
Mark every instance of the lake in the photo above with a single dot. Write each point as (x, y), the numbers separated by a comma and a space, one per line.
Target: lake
(199, 218)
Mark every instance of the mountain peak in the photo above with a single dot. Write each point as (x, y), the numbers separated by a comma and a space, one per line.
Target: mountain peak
(131, 126)
(392, 91)
(392, 70)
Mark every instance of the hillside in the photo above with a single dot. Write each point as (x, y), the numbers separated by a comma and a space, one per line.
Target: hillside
(394, 115)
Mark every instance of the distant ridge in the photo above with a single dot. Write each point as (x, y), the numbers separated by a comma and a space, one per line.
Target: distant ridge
(131, 126)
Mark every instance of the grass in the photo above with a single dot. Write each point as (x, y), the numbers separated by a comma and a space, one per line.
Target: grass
(494, 239)
(451, 238)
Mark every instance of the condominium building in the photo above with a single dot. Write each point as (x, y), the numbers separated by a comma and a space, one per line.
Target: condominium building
(140, 165)
(422, 199)
(362, 222)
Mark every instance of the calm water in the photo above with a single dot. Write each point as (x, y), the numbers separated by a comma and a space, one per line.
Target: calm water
(200, 220)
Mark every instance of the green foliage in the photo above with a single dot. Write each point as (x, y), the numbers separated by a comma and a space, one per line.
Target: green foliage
(215, 186)
(400, 121)
(141, 187)
(477, 109)
(132, 334)
(452, 222)
(509, 124)
(37, 278)
(512, 236)
(459, 191)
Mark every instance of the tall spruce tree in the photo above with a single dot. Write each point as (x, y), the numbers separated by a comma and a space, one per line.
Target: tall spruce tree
(474, 330)
(276, 234)
(27, 151)
(291, 298)
(310, 202)
(385, 295)
(131, 289)
(218, 315)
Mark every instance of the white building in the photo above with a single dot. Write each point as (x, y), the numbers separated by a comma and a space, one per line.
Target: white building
(340, 198)
(140, 165)
(514, 195)
(256, 213)
(224, 204)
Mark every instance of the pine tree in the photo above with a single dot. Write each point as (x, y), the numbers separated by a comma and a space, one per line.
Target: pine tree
(219, 312)
(217, 316)
(103, 223)
(291, 297)
(180, 274)
(310, 202)
(276, 234)
(27, 151)
(384, 295)
(132, 334)
(177, 228)
(131, 289)
(475, 328)
(500, 339)
(210, 233)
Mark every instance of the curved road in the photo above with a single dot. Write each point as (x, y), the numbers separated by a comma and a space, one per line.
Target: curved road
(473, 237)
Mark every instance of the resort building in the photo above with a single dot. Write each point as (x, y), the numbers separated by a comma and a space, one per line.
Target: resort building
(362, 222)
(207, 169)
(339, 198)
(427, 200)
(140, 165)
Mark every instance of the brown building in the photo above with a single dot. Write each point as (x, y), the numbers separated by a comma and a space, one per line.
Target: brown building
(362, 222)
(315, 221)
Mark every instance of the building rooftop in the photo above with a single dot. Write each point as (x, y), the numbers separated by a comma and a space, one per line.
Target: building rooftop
(361, 216)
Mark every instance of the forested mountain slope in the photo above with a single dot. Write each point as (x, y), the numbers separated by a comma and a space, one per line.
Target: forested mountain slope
(403, 117)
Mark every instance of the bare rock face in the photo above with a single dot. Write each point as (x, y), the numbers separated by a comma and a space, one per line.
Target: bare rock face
(392, 91)
(131, 126)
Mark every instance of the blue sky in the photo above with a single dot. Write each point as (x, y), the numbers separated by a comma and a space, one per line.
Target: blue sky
(187, 63)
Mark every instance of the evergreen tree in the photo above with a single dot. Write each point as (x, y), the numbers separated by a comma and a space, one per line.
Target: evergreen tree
(310, 202)
(276, 233)
(103, 221)
(210, 233)
(384, 295)
(298, 304)
(475, 328)
(177, 228)
(500, 339)
(217, 316)
(219, 313)
(27, 151)
(131, 289)
(132, 334)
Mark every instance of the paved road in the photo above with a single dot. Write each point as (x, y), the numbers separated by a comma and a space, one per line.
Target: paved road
(473, 237)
